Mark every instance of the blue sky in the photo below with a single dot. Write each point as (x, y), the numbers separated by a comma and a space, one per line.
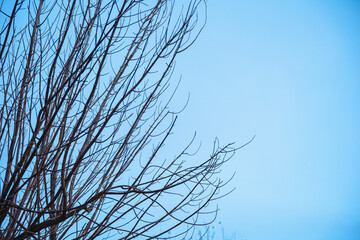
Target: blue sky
(287, 72)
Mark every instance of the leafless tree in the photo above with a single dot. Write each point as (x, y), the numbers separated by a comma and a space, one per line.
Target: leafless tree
(84, 119)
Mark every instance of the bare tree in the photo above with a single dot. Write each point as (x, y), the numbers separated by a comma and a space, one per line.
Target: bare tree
(84, 118)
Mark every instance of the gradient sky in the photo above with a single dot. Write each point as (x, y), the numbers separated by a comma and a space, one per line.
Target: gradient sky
(287, 72)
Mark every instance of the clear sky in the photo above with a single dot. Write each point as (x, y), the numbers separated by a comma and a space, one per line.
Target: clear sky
(288, 72)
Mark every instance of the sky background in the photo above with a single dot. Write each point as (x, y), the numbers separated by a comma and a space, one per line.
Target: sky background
(287, 72)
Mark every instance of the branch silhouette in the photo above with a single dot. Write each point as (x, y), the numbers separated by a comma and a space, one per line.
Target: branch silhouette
(83, 122)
